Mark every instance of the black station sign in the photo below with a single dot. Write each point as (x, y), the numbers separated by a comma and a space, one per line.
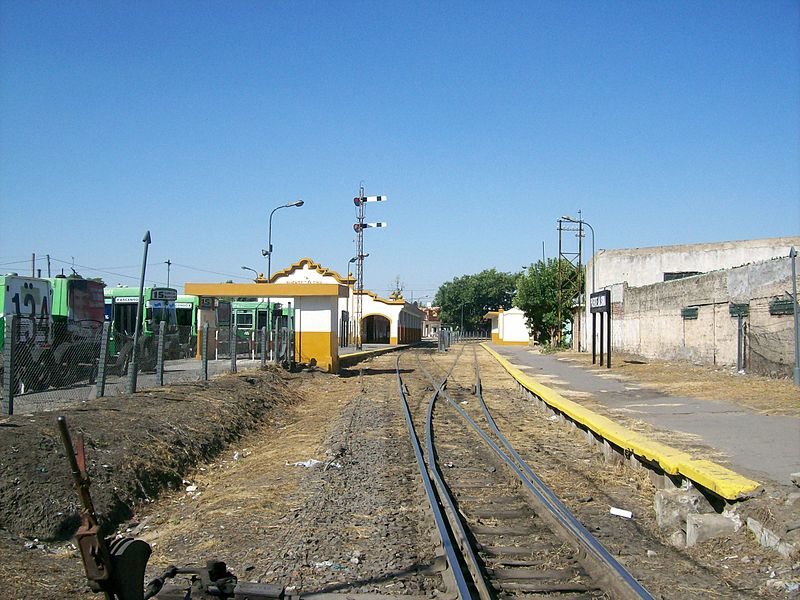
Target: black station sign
(600, 302)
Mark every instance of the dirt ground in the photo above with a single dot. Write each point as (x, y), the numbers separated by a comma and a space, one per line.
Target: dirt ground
(215, 470)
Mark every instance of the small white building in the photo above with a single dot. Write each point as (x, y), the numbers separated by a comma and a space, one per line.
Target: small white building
(509, 327)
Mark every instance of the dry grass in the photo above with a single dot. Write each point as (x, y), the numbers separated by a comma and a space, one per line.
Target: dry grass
(768, 396)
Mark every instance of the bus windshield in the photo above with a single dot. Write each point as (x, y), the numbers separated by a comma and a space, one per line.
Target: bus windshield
(158, 311)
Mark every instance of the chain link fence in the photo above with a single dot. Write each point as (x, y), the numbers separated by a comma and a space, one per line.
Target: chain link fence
(766, 349)
(45, 367)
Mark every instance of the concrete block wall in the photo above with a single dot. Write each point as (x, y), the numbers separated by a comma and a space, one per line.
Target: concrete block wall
(647, 320)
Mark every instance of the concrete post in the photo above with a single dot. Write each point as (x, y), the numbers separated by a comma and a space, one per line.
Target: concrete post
(232, 345)
(8, 367)
(263, 347)
(100, 384)
(204, 353)
(162, 329)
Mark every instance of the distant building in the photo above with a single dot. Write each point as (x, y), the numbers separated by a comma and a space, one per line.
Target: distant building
(509, 327)
(431, 322)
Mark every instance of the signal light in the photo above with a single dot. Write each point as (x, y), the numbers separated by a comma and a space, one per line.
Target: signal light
(357, 226)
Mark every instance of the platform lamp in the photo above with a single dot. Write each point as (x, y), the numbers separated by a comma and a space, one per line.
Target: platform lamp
(253, 270)
(268, 251)
(347, 269)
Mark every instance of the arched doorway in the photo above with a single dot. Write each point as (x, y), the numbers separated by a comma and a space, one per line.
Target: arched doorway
(375, 329)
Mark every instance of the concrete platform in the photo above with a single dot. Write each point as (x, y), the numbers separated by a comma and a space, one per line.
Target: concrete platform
(350, 355)
(366, 348)
(764, 448)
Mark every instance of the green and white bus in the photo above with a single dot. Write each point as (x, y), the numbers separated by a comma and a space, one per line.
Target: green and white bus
(121, 307)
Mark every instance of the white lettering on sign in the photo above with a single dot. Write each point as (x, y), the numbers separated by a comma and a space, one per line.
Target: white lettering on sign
(126, 300)
(183, 305)
(167, 294)
(598, 302)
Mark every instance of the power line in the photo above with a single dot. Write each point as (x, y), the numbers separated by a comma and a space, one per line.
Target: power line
(207, 271)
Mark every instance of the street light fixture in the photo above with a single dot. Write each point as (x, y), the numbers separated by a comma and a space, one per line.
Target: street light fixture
(354, 259)
(268, 251)
(253, 270)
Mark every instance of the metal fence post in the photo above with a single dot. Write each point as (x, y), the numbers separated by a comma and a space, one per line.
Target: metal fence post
(276, 340)
(739, 344)
(8, 367)
(232, 345)
(100, 384)
(263, 347)
(204, 353)
(162, 328)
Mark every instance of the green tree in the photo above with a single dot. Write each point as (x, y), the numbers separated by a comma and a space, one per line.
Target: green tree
(473, 296)
(537, 296)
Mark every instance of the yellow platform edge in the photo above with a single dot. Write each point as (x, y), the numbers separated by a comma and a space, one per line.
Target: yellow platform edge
(716, 478)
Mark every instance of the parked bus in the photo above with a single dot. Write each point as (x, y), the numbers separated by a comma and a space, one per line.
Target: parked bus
(78, 314)
(159, 307)
(186, 318)
(250, 316)
(29, 300)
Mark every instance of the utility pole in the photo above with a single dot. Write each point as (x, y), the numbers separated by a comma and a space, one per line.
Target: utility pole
(567, 288)
(168, 262)
(793, 256)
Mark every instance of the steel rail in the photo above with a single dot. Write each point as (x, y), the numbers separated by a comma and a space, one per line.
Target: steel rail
(629, 587)
(447, 542)
(467, 552)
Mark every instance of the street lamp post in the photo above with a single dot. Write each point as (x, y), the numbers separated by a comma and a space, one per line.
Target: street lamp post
(253, 270)
(140, 312)
(349, 293)
(796, 372)
(268, 251)
(347, 269)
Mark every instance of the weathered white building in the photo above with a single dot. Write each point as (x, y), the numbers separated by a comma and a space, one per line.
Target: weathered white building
(675, 301)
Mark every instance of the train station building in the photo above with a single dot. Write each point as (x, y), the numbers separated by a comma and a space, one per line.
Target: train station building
(324, 306)
(383, 320)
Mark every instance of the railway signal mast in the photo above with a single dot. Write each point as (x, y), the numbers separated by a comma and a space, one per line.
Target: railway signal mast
(360, 201)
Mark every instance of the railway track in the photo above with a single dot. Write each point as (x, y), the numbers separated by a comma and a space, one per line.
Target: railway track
(503, 532)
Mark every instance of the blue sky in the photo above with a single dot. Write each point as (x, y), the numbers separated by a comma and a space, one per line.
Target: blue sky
(484, 122)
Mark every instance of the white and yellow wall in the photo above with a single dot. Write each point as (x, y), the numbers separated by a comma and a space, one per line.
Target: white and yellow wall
(509, 327)
(315, 309)
(405, 319)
